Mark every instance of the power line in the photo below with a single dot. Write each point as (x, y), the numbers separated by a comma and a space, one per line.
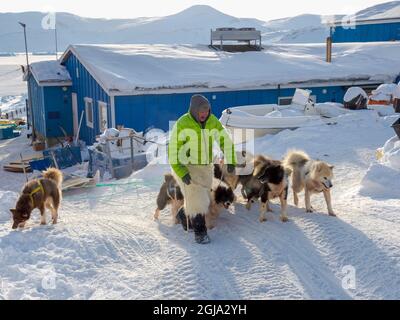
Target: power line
(9, 72)
(10, 33)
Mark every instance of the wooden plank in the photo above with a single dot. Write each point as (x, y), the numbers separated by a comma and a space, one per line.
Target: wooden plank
(17, 168)
(76, 183)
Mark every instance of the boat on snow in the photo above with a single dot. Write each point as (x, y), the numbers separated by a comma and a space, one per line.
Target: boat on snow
(273, 118)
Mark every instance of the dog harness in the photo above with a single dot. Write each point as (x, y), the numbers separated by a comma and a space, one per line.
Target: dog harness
(38, 189)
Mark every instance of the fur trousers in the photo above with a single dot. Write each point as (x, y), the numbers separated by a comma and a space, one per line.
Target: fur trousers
(198, 193)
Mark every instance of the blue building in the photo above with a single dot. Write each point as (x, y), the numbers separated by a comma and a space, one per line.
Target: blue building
(366, 30)
(145, 86)
(49, 103)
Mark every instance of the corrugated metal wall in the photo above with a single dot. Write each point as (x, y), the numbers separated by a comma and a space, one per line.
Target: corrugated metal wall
(84, 85)
(37, 104)
(367, 33)
(144, 111)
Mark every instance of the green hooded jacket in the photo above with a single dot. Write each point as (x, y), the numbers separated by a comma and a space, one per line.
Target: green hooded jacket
(192, 143)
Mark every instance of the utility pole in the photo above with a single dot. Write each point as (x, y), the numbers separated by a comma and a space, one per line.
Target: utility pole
(55, 35)
(23, 25)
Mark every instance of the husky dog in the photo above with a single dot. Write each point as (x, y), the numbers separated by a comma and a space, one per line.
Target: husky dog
(222, 197)
(269, 181)
(170, 194)
(39, 194)
(231, 179)
(311, 175)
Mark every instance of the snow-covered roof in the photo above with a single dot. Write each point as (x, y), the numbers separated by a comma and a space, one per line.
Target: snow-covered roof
(50, 73)
(133, 69)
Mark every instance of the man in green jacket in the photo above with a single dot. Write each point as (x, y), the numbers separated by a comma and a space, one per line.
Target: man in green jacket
(191, 158)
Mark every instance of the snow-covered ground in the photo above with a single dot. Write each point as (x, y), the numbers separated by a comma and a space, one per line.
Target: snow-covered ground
(107, 245)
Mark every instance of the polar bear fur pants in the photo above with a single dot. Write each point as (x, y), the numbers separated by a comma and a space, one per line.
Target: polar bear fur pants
(198, 193)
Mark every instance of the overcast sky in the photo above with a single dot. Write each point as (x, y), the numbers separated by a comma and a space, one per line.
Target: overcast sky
(261, 9)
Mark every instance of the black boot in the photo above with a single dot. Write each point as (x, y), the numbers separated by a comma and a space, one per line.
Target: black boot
(183, 220)
(200, 229)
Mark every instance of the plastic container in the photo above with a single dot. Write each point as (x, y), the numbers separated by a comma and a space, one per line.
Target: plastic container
(6, 133)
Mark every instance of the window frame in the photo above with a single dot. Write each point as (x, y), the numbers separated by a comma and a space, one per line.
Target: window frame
(89, 102)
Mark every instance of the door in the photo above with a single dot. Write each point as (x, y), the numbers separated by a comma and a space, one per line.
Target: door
(75, 116)
(103, 116)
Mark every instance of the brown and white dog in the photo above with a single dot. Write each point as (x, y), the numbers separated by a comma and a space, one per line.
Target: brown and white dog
(312, 176)
(170, 194)
(222, 197)
(39, 194)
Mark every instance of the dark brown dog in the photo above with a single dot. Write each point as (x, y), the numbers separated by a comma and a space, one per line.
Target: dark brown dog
(170, 194)
(39, 194)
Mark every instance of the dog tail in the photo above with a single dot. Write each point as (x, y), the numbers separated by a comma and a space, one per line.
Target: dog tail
(54, 175)
(295, 159)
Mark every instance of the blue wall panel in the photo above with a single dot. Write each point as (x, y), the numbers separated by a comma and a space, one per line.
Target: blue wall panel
(367, 33)
(85, 86)
(36, 98)
(143, 111)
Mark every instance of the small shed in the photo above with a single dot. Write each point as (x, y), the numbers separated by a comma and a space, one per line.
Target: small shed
(49, 100)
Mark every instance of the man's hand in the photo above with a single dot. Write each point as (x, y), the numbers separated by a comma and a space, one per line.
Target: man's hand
(231, 168)
(187, 179)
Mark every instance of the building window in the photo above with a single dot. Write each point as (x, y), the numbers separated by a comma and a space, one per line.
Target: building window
(53, 115)
(89, 112)
(285, 101)
(103, 116)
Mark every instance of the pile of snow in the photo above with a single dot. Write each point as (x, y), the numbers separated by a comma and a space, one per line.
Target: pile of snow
(381, 182)
(384, 92)
(130, 68)
(391, 153)
(331, 109)
(383, 178)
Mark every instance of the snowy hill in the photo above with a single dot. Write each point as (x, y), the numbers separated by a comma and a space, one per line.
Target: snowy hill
(191, 26)
(380, 11)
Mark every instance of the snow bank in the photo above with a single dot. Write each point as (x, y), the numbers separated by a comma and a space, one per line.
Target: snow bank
(391, 152)
(381, 182)
(130, 68)
(383, 179)
(8, 200)
(384, 92)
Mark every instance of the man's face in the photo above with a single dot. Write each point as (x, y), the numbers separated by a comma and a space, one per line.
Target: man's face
(203, 115)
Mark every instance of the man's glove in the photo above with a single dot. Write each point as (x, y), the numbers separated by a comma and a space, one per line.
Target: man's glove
(231, 168)
(187, 179)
